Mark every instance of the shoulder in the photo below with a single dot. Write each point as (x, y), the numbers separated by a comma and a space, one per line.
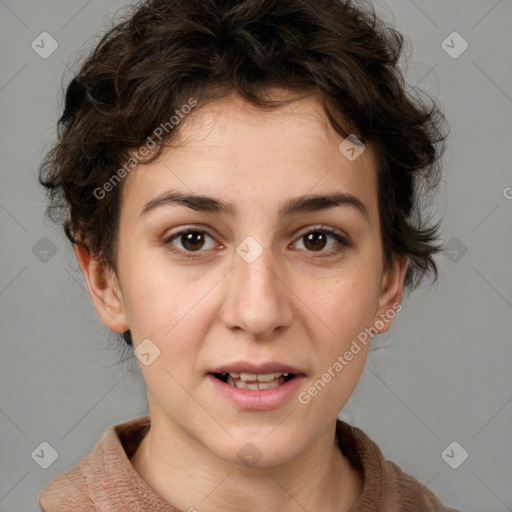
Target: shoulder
(95, 480)
(68, 491)
(413, 494)
(386, 487)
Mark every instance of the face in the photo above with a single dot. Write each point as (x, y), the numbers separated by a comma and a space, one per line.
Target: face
(277, 269)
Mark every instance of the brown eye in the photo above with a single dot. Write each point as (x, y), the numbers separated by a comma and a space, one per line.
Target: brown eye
(190, 241)
(315, 241)
(323, 240)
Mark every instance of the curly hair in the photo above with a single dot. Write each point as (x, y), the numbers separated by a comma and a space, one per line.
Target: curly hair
(167, 51)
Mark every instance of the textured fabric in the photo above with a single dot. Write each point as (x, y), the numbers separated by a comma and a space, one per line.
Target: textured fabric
(105, 480)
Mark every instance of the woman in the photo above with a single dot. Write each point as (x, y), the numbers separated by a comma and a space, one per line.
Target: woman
(240, 182)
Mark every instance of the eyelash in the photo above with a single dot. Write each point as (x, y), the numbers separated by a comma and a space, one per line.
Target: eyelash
(320, 229)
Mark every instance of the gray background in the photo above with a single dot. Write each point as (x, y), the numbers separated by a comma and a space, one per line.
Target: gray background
(442, 373)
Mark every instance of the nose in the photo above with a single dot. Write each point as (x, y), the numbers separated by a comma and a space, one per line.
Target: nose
(258, 299)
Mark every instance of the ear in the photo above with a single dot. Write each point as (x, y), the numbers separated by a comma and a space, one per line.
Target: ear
(391, 293)
(104, 290)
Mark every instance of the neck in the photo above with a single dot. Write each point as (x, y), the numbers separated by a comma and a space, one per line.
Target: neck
(192, 478)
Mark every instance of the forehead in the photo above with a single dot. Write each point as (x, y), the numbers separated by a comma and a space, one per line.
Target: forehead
(230, 148)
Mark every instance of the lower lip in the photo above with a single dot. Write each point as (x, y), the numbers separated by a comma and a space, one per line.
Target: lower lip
(258, 399)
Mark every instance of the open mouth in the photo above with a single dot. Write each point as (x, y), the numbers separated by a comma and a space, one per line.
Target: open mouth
(254, 381)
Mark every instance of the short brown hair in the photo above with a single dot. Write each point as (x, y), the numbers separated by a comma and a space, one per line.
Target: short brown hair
(168, 51)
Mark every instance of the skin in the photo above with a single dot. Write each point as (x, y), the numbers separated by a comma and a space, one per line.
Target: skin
(292, 304)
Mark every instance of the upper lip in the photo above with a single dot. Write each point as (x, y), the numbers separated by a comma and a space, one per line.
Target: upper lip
(248, 367)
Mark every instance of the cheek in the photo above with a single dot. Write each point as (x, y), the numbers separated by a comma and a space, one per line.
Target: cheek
(152, 297)
(346, 307)
(169, 305)
(346, 304)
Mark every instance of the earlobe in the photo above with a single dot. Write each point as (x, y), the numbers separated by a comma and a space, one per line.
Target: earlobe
(103, 288)
(391, 293)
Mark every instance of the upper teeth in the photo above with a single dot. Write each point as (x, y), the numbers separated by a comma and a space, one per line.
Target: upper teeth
(261, 377)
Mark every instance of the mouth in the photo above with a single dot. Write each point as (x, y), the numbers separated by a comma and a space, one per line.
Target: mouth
(254, 381)
(251, 386)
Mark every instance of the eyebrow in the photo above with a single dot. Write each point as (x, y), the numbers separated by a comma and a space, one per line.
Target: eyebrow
(296, 205)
